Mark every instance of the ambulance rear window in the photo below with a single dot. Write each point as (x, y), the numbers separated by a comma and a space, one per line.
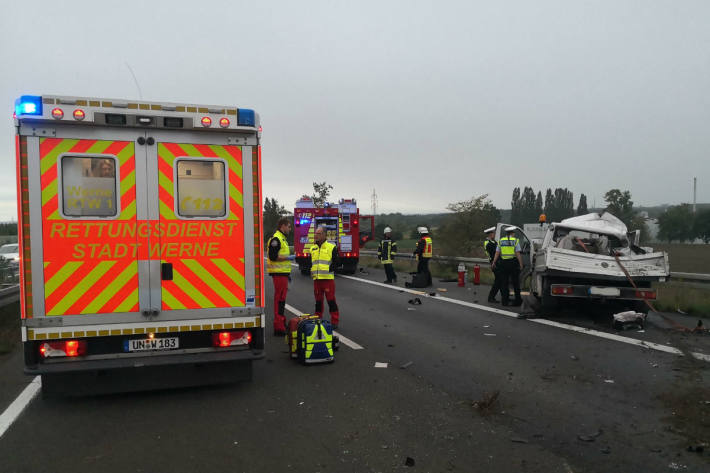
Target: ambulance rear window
(201, 188)
(88, 186)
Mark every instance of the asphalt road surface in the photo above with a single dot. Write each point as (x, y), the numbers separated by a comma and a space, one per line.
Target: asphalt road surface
(465, 389)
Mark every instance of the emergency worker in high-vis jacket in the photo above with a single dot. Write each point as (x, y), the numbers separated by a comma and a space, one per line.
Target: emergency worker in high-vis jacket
(324, 259)
(423, 253)
(386, 253)
(511, 263)
(278, 265)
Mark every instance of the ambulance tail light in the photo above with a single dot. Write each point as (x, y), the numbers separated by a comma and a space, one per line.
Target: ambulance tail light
(57, 113)
(28, 105)
(79, 114)
(231, 338)
(224, 122)
(646, 294)
(206, 122)
(561, 290)
(64, 348)
(246, 117)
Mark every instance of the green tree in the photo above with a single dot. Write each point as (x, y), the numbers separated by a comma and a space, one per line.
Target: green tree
(8, 228)
(321, 191)
(462, 232)
(273, 211)
(515, 215)
(676, 224)
(620, 205)
(701, 226)
(379, 231)
(582, 206)
(539, 209)
(528, 207)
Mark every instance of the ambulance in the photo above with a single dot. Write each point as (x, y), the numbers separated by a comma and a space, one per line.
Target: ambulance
(140, 230)
(342, 221)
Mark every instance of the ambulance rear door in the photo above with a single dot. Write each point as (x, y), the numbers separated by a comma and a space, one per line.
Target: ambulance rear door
(202, 204)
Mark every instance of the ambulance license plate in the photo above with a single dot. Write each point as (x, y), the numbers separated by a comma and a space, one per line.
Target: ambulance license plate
(169, 343)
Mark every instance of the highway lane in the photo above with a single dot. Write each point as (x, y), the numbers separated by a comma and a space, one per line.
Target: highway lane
(350, 416)
(556, 387)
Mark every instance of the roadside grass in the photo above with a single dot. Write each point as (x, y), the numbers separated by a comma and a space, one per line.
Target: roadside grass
(686, 258)
(9, 327)
(692, 299)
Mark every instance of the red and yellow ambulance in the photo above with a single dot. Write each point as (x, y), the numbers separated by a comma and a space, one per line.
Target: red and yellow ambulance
(140, 232)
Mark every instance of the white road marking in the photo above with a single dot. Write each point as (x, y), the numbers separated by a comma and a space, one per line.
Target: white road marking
(552, 323)
(18, 405)
(343, 339)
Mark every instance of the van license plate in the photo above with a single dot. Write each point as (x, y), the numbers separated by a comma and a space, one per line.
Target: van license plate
(151, 344)
(605, 291)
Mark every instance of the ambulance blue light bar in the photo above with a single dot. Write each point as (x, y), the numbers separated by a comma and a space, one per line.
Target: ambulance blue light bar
(245, 117)
(28, 105)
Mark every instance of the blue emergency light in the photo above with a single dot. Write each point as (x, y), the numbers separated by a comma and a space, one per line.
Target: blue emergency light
(28, 105)
(246, 117)
(304, 221)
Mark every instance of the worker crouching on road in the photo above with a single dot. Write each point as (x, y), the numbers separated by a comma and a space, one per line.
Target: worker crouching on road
(386, 253)
(278, 265)
(490, 246)
(511, 263)
(423, 254)
(324, 259)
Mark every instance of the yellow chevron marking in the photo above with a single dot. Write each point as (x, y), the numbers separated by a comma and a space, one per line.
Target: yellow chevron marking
(191, 291)
(111, 289)
(50, 159)
(61, 276)
(224, 154)
(230, 271)
(81, 288)
(213, 283)
(128, 302)
(171, 301)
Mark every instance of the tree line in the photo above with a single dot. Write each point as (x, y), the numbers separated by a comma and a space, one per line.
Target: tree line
(679, 223)
(527, 206)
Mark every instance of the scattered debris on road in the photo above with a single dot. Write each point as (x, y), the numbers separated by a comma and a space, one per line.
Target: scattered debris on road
(590, 437)
(574, 357)
(441, 289)
(406, 365)
(380, 364)
(609, 381)
(409, 461)
(518, 440)
(415, 301)
(486, 405)
(489, 334)
(628, 320)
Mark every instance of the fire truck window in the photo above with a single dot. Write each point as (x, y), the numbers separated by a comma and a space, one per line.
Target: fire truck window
(201, 188)
(88, 186)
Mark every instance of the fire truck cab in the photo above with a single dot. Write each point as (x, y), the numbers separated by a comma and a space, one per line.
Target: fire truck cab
(344, 227)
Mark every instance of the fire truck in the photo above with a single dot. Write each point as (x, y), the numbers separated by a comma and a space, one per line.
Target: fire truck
(140, 230)
(343, 227)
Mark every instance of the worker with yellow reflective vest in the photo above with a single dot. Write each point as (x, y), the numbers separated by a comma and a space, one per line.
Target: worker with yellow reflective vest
(423, 254)
(386, 253)
(509, 261)
(278, 265)
(324, 259)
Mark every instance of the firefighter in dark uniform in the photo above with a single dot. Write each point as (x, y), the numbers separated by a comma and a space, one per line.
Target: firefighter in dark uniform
(423, 253)
(511, 263)
(278, 265)
(489, 246)
(386, 253)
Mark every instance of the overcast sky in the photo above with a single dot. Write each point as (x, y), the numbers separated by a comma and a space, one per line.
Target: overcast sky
(426, 102)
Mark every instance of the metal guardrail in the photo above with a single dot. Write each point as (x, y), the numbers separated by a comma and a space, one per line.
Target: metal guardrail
(10, 294)
(700, 277)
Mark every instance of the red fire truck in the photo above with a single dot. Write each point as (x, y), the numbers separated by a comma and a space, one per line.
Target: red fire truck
(343, 224)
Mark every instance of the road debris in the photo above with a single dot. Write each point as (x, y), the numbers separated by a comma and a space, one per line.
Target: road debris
(486, 405)
(415, 301)
(518, 440)
(628, 320)
(489, 334)
(441, 289)
(696, 448)
(406, 365)
(610, 381)
(574, 357)
(411, 308)
(409, 461)
(606, 450)
(590, 437)
(380, 364)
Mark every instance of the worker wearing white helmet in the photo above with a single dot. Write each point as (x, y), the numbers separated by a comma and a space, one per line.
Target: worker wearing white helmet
(386, 253)
(423, 253)
(511, 263)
